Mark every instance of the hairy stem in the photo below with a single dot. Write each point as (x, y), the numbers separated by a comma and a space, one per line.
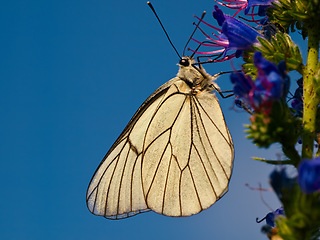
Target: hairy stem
(311, 100)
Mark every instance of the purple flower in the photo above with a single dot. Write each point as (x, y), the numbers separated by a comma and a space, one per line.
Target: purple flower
(268, 28)
(282, 183)
(240, 35)
(270, 85)
(247, 4)
(297, 105)
(309, 175)
(271, 78)
(242, 85)
(235, 35)
(271, 216)
(263, 10)
(297, 102)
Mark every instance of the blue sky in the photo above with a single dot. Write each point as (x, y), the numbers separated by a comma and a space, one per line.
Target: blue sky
(72, 75)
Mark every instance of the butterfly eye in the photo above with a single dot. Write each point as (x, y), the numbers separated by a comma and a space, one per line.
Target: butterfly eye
(184, 62)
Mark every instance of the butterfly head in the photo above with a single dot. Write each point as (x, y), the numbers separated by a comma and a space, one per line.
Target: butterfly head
(186, 62)
(193, 75)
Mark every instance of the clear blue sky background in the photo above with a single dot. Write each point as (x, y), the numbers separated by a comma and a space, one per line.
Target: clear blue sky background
(72, 75)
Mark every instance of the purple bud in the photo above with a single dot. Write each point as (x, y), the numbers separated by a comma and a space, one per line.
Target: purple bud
(309, 175)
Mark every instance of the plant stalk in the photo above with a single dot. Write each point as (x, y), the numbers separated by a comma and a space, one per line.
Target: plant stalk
(310, 99)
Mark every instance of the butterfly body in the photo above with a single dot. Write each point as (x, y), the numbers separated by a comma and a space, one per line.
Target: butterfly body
(174, 157)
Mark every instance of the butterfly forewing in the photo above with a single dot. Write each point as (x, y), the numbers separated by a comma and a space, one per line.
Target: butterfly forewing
(115, 190)
(161, 172)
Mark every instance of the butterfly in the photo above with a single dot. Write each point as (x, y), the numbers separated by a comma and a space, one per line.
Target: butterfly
(174, 157)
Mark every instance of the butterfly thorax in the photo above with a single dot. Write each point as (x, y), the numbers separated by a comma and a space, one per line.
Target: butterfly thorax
(197, 78)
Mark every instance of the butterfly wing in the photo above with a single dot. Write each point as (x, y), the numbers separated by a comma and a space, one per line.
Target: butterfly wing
(115, 190)
(174, 157)
(188, 153)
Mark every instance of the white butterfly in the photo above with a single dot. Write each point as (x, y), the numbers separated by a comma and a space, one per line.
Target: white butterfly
(174, 157)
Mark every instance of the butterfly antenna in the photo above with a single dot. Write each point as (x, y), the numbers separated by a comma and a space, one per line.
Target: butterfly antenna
(202, 16)
(150, 5)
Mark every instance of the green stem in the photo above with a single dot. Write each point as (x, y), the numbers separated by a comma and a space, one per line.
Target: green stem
(311, 101)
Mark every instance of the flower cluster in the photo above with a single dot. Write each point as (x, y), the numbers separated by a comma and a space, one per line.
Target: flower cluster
(271, 84)
(277, 115)
(300, 14)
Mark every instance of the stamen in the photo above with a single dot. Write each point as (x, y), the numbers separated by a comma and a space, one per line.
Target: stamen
(259, 221)
(238, 11)
(205, 34)
(202, 16)
(228, 57)
(258, 189)
(252, 13)
(218, 36)
(222, 43)
(231, 1)
(205, 44)
(208, 24)
(213, 52)
(235, 6)
(248, 20)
